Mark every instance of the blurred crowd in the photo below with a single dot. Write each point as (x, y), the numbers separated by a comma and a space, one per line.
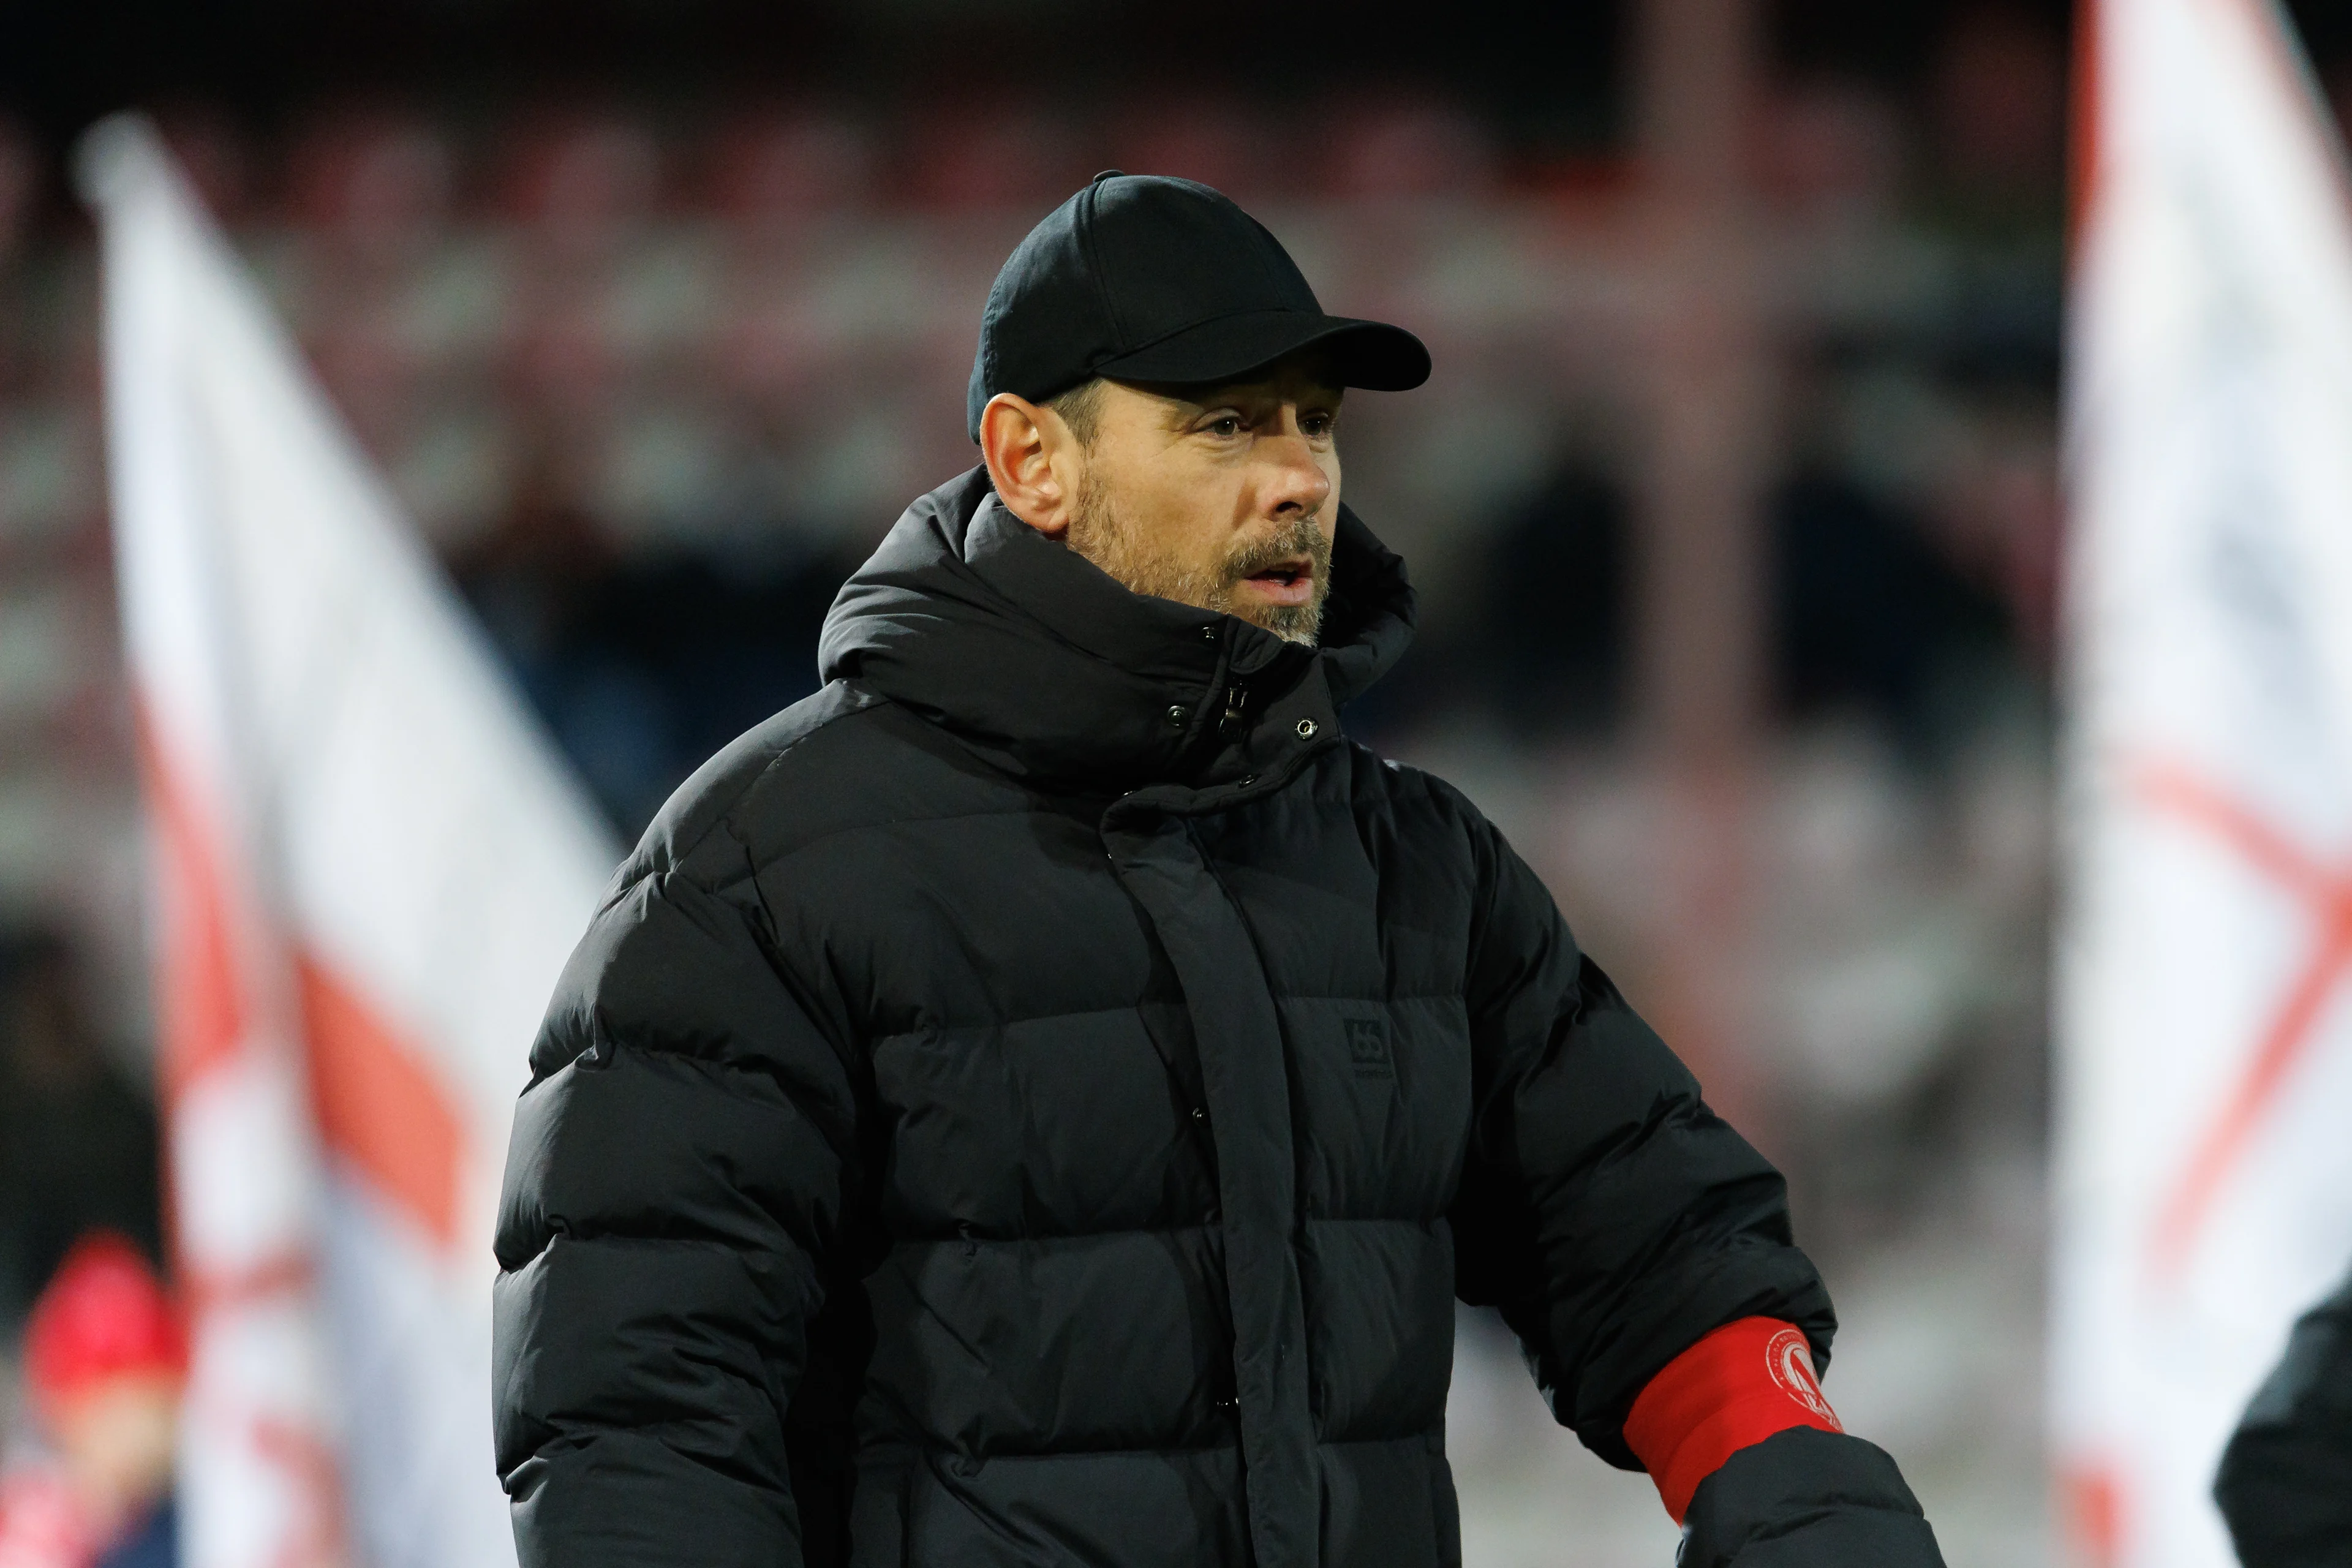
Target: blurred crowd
(86, 1465)
(650, 381)
(651, 377)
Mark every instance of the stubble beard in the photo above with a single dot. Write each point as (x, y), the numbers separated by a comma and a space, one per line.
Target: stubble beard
(1101, 533)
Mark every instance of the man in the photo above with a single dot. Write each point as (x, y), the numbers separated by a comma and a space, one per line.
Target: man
(2285, 1480)
(1036, 1101)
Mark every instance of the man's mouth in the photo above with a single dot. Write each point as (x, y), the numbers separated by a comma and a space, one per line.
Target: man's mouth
(1290, 581)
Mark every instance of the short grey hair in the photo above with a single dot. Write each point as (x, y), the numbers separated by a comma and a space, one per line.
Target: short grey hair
(1081, 410)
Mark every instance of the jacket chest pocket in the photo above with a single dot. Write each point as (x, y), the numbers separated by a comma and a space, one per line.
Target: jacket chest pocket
(1382, 1093)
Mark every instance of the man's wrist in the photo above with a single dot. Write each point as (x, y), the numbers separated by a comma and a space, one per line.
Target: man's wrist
(1745, 1381)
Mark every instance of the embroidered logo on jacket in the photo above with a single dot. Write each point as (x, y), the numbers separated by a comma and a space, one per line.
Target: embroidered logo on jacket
(1368, 1048)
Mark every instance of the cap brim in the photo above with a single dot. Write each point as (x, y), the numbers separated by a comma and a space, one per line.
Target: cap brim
(1371, 354)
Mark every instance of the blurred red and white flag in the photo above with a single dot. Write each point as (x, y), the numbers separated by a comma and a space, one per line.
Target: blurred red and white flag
(369, 869)
(2205, 985)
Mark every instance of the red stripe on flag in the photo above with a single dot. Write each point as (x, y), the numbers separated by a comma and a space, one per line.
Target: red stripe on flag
(2083, 126)
(2093, 1495)
(272, 1279)
(198, 996)
(2327, 894)
(2169, 787)
(2283, 1044)
(378, 1104)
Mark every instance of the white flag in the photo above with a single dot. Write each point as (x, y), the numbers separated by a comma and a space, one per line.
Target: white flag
(2205, 1011)
(369, 869)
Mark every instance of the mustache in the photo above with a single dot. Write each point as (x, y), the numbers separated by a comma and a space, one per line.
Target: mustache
(1299, 537)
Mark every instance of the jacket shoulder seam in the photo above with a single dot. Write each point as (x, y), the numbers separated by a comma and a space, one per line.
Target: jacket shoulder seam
(725, 816)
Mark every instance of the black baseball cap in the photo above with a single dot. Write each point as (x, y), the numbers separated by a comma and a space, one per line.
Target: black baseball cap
(1146, 278)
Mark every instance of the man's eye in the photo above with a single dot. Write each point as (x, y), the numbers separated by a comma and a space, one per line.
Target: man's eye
(1317, 424)
(1227, 427)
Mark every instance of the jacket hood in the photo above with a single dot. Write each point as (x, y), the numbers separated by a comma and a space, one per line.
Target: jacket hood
(1033, 656)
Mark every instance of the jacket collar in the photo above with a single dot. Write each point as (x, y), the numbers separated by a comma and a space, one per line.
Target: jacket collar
(1029, 654)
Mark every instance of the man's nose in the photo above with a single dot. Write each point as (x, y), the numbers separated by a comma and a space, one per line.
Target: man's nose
(1298, 486)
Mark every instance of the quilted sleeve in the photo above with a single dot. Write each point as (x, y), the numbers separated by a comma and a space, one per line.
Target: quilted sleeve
(1613, 1218)
(675, 1187)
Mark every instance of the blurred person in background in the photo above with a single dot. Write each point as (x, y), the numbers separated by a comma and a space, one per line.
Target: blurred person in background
(1039, 1099)
(2285, 1482)
(642, 667)
(105, 1356)
(77, 1141)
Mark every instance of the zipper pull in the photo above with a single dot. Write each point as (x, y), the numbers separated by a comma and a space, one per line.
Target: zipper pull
(1234, 696)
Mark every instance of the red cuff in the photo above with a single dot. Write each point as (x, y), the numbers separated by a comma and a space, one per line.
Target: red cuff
(1735, 1388)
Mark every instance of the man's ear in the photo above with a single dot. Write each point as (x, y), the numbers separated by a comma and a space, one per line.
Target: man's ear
(1032, 458)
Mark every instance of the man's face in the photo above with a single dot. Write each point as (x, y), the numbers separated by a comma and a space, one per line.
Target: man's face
(1224, 497)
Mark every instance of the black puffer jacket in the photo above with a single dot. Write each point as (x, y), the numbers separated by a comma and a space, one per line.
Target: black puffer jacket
(1036, 1101)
